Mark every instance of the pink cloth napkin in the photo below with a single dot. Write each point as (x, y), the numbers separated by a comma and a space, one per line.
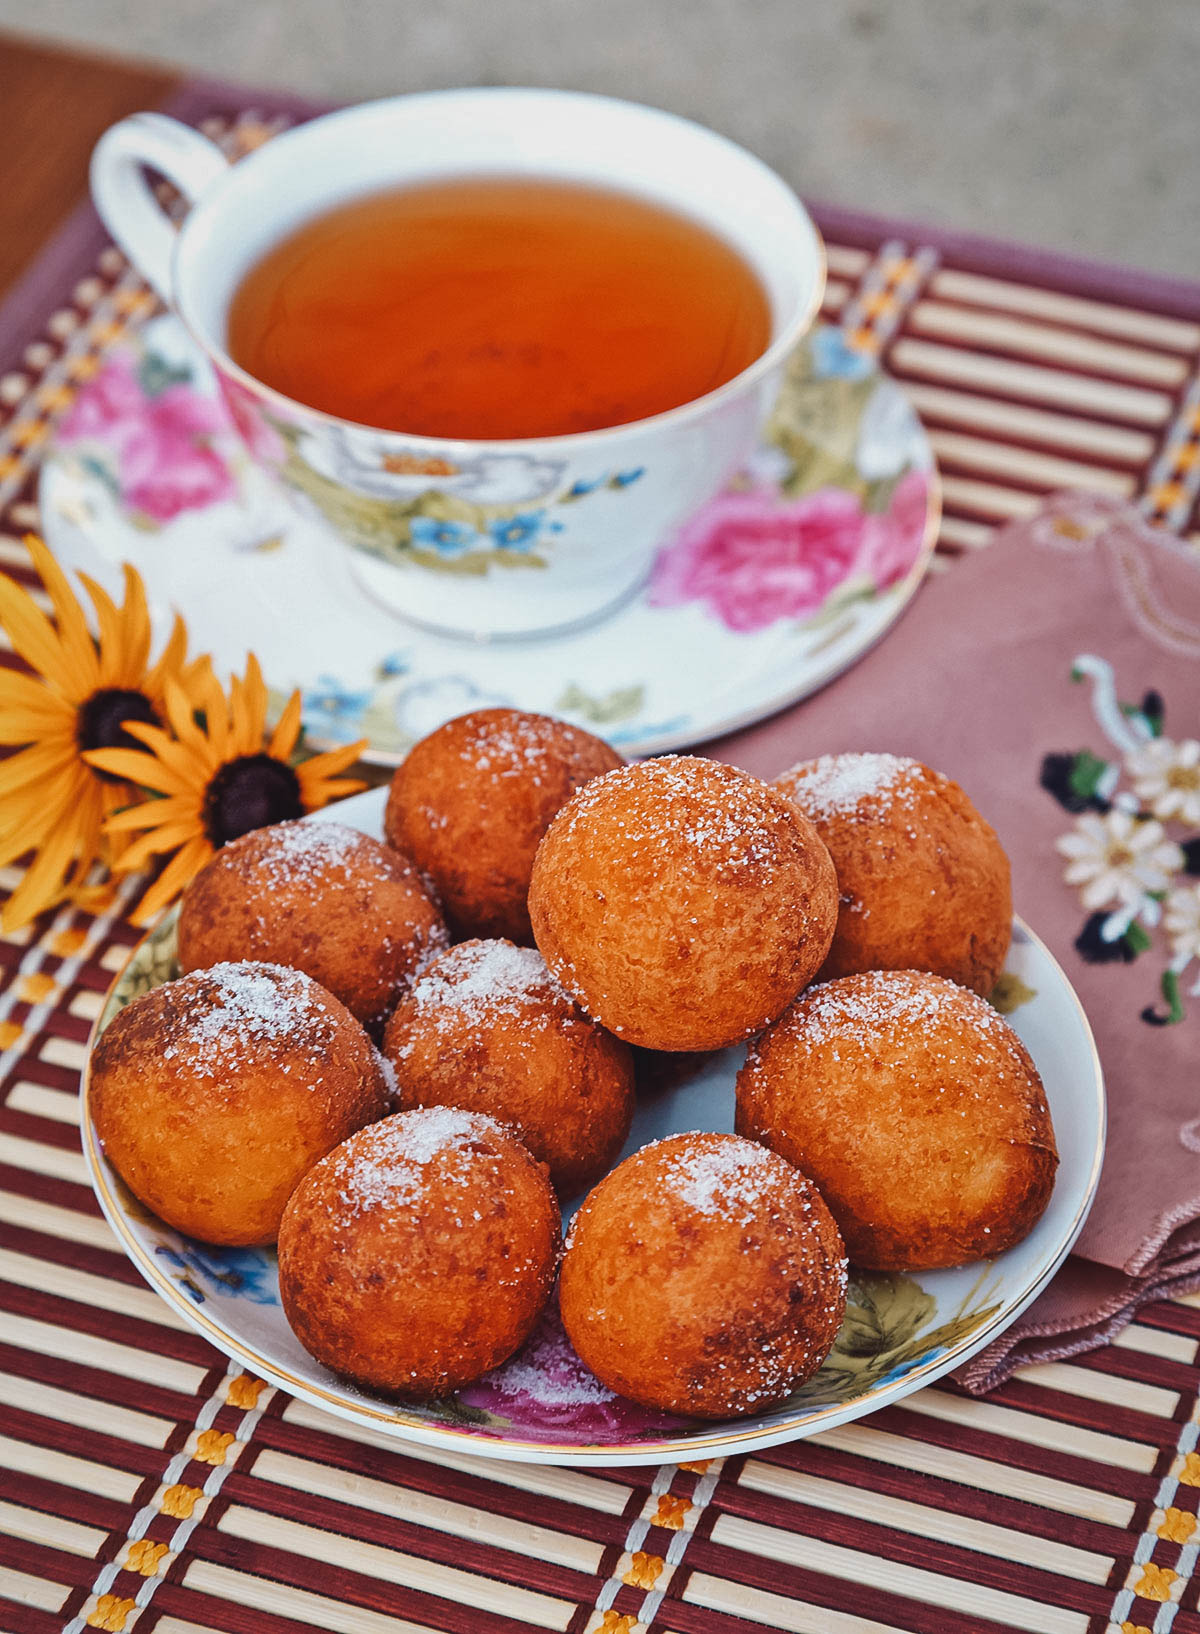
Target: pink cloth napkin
(1055, 675)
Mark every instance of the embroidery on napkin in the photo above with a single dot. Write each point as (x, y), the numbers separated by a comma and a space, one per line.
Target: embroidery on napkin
(1100, 522)
(1134, 849)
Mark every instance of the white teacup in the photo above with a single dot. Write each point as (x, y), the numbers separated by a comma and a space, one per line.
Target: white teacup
(438, 524)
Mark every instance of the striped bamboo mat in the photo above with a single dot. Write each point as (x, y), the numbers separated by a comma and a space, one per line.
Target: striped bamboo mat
(146, 1484)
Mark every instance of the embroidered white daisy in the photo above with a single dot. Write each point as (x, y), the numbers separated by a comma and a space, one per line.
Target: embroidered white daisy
(1117, 859)
(1166, 778)
(1181, 921)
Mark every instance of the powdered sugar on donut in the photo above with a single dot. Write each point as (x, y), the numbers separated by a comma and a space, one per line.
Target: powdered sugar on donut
(306, 853)
(233, 1007)
(385, 1165)
(476, 982)
(721, 814)
(840, 786)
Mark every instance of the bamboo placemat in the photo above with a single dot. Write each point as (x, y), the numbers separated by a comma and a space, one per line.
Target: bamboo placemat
(144, 1483)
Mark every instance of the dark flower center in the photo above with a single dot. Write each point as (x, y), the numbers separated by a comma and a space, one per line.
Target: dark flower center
(100, 723)
(251, 792)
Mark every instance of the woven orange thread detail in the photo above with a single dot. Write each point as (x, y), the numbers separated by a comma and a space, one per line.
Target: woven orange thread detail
(9, 467)
(1190, 1473)
(1135, 1628)
(244, 1391)
(26, 434)
(1155, 1582)
(36, 988)
(671, 1512)
(1177, 1526)
(110, 1612)
(55, 397)
(1187, 457)
(644, 1570)
(212, 1445)
(179, 1501)
(67, 942)
(10, 1031)
(878, 302)
(132, 300)
(897, 268)
(143, 1556)
(617, 1622)
(1166, 494)
(698, 1466)
(865, 339)
(106, 331)
(83, 365)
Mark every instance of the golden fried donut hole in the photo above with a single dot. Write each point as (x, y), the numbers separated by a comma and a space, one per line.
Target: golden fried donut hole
(318, 896)
(915, 1108)
(705, 1276)
(471, 801)
(924, 882)
(215, 1094)
(488, 1028)
(682, 902)
(418, 1255)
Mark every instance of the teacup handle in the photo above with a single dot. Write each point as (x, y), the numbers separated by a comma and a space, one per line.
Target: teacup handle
(126, 201)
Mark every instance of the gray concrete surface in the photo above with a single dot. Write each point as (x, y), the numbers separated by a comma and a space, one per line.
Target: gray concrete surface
(1072, 123)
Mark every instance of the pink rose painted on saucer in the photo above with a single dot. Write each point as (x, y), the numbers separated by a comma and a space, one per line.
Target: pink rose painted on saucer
(155, 432)
(754, 559)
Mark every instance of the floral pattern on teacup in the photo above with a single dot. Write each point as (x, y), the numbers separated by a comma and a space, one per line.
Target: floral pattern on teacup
(439, 512)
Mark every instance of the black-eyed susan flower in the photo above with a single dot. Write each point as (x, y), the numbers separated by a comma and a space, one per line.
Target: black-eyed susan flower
(218, 775)
(84, 692)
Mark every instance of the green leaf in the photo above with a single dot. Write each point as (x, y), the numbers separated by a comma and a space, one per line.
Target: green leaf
(1086, 771)
(1170, 992)
(1136, 938)
(155, 374)
(601, 708)
(1009, 993)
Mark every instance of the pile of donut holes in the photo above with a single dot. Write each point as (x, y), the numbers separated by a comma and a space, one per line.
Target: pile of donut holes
(394, 1059)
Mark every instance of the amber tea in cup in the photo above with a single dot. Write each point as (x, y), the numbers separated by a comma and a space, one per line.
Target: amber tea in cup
(494, 307)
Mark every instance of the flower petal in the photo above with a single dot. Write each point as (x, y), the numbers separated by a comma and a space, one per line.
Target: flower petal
(146, 771)
(183, 722)
(171, 661)
(77, 644)
(256, 701)
(332, 761)
(167, 837)
(324, 792)
(135, 617)
(173, 878)
(32, 765)
(45, 881)
(30, 712)
(34, 638)
(287, 729)
(194, 769)
(150, 813)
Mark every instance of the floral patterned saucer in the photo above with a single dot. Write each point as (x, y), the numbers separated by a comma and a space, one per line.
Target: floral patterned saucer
(543, 1405)
(772, 589)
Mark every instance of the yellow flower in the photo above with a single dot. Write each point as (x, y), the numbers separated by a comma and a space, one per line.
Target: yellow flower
(218, 777)
(83, 694)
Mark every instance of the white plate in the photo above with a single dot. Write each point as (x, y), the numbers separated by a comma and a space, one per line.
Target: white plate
(773, 590)
(544, 1406)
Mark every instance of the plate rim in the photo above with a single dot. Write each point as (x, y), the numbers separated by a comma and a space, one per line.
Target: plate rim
(717, 1444)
